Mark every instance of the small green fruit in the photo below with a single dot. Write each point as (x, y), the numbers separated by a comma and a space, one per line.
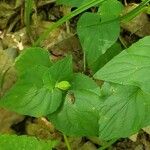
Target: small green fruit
(63, 85)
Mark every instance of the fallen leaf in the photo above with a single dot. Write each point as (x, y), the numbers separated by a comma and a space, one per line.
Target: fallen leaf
(147, 129)
(140, 25)
(133, 137)
(7, 119)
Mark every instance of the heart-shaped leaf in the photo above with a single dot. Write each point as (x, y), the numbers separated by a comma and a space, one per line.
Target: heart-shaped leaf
(124, 112)
(35, 93)
(29, 96)
(96, 36)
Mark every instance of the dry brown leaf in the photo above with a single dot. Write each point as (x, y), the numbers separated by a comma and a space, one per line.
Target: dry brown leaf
(7, 119)
(133, 137)
(40, 128)
(147, 129)
(140, 25)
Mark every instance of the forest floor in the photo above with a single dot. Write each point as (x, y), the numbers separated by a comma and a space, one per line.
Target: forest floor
(13, 39)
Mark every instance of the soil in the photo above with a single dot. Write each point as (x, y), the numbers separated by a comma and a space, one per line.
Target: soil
(64, 40)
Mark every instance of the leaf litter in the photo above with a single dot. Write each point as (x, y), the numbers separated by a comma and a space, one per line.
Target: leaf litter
(60, 43)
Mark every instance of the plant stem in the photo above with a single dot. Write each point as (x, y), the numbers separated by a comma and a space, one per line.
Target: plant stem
(67, 142)
(84, 62)
(106, 145)
(27, 17)
(65, 18)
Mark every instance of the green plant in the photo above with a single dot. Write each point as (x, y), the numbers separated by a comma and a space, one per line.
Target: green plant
(124, 94)
(8, 142)
(74, 102)
(102, 26)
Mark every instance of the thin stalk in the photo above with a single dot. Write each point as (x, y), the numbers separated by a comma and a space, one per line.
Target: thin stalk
(66, 18)
(67, 142)
(106, 145)
(27, 17)
(84, 62)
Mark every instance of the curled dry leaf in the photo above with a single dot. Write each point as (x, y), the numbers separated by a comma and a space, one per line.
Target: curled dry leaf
(140, 25)
(147, 129)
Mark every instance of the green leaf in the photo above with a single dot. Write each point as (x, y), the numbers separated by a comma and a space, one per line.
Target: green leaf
(96, 35)
(31, 57)
(59, 71)
(79, 114)
(130, 67)
(82, 82)
(110, 9)
(14, 142)
(27, 14)
(30, 96)
(125, 111)
(35, 94)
